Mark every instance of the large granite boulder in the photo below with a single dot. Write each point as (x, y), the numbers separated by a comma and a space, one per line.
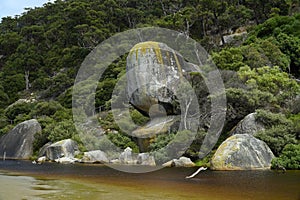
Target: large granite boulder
(154, 72)
(64, 148)
(249, 125)
(18, 143)
(242, 152)
(96, 156)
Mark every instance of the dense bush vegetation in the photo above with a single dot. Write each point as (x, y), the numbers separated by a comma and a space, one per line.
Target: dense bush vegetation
(42, 50)
(290, 157)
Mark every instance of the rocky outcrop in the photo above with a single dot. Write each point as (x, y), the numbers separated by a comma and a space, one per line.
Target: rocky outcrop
(229, 39)
(145, 159)
(154, 71)
(242, 152)
(64, 148)
(249, 125)
(158, 125)
(18, 143)
(126, 157)
(181, 162)
(96, 156)
(42, 151)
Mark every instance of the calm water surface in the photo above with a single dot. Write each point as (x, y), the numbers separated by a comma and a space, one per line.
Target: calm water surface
(23, 180)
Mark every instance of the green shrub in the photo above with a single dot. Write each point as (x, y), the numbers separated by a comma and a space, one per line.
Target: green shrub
(290, 157)
(14, 110)
(277, 137)
(160, 141)
(108, 122)
(138, 118)
(60, 130)
(270, 119)
(122, 141)
(271, 80)
(46, 108)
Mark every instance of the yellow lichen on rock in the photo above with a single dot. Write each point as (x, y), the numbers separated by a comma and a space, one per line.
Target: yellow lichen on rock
(144, 46)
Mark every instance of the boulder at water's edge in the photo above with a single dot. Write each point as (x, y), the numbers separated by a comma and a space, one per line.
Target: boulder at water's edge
(242, 152)
(18, 143)
(64, 148)
(96, 156)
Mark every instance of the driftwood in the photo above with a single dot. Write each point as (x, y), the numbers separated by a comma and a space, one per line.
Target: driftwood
(197, 172)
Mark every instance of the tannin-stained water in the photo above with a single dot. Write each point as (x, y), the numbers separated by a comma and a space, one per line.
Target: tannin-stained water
(80, 181)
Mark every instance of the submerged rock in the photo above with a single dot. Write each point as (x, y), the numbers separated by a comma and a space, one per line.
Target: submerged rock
(242, 152)
(96, 156)
(63, 148)
(18, 143)
(249, 125)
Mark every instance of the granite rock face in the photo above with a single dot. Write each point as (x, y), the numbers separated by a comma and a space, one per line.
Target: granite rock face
(126, 157)
(249, 125)
(64, 148)
(145, 159)
(154, 71)
(242, 152)
(18, 143)
(96, 156)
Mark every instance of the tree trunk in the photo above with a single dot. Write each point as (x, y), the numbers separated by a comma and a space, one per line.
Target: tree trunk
(27, 80)
(163, 8)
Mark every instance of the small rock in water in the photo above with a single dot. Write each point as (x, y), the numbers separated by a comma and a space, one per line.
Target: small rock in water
(41, 159)
(181, 162)
(66, 160)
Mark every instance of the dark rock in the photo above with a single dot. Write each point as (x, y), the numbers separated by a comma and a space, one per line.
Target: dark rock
(242, 152)
(42, 151)
(18, 143)
(249, 125)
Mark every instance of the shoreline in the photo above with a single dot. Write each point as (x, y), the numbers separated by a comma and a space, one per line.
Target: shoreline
(97, 181)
